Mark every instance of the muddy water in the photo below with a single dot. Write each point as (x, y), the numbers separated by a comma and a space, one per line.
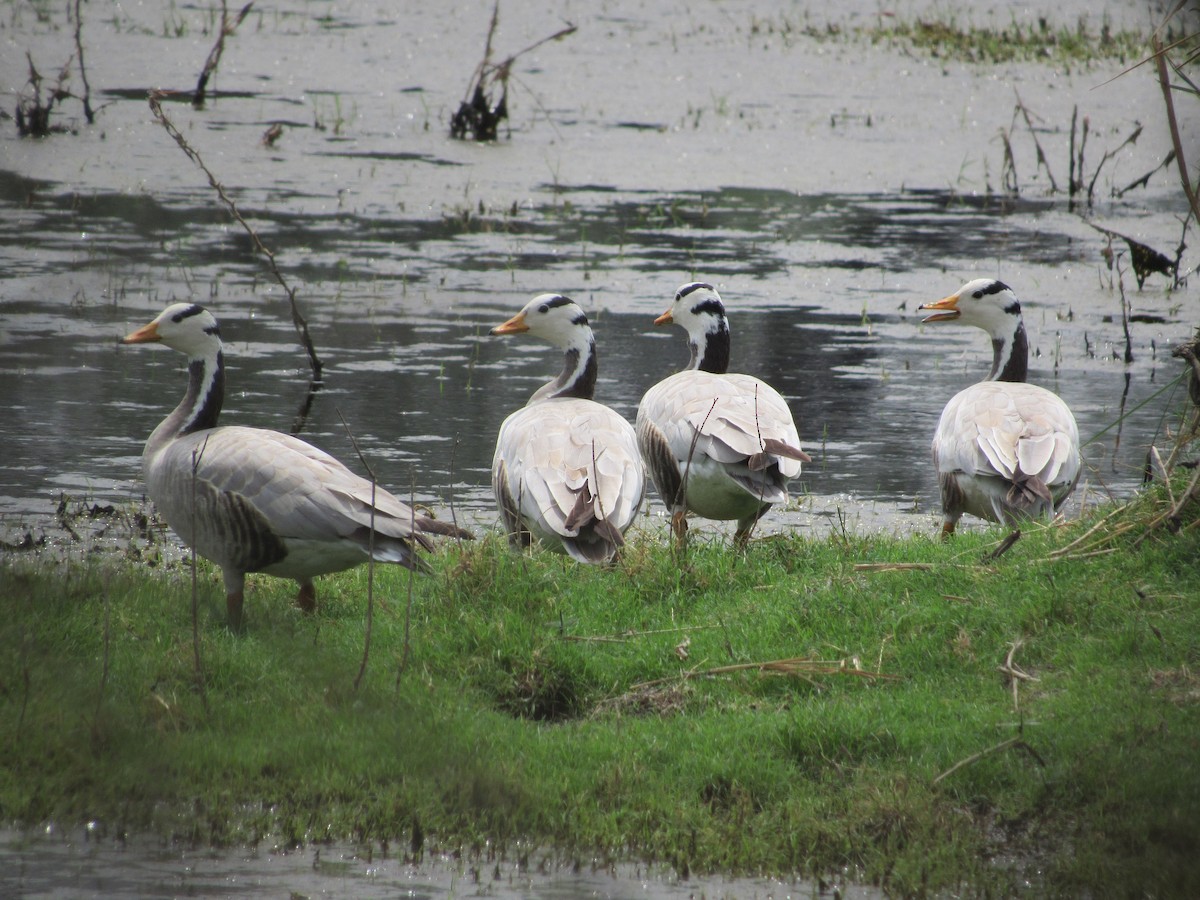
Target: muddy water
(826, 186)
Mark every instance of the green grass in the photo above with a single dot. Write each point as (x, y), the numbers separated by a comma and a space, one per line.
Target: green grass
(566, 707)
(945, 36)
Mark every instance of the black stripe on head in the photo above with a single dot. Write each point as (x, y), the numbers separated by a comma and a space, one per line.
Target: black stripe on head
(994, 288)
(710, 307)
(193, 310)
(688, 288)
(554, 302)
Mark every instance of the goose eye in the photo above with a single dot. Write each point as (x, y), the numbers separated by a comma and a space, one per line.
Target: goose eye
(978, 295)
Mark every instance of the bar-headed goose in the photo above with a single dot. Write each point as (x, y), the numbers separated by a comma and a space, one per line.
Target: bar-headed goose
(263, 501)
(566, 468)
(717, 444)
(1004, 450)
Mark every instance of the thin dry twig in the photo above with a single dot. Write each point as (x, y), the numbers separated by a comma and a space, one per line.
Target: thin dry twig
(298, 320)
(1012, 743)
(681, 534)
(799, 666)
(362, 669)
(893, 567)
(196, 660)
(1015, 674)
(623, 637)
(1164, 81)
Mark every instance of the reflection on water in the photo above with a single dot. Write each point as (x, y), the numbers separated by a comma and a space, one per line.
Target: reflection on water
(51, 866)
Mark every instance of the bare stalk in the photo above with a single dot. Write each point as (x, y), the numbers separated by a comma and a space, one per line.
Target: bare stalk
(1164, 82)
(226, 29)
(87, 88)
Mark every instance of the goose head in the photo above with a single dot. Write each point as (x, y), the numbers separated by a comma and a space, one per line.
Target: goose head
(552, 317)
(185, 327)
(698, 310)
(991, 305)
(984, 303)
(558, 319)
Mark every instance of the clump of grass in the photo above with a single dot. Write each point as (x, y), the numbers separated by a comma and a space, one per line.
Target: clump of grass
(895, 708)
(948, 40)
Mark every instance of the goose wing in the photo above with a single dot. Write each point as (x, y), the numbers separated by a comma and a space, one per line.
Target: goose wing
(738, 419)
(292, 488)
(566, 465)
(1009, 430)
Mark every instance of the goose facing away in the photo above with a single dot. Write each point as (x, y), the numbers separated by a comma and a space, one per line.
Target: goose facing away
(717, 444)
(264, 501)
(1004, 450)
(566, 469)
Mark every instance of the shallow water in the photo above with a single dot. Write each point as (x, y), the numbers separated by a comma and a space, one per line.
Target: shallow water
(51, 866)
(827, 192)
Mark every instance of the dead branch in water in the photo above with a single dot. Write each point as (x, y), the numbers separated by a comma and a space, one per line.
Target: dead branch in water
(227, 28)
(298, 320)
(87, 88)
(479, 114)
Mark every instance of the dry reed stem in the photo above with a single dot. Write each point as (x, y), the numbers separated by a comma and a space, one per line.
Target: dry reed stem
(625, 636)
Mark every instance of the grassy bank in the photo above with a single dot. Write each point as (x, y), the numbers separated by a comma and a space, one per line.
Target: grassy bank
(626, 711)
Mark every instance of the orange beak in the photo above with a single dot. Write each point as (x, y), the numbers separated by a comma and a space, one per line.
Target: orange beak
(947, 309)
(665, 319)
(515, 325)
(145, 335)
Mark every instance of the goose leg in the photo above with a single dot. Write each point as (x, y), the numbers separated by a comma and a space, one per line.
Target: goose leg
(307, 598)
(233, 610)
(235, 592)
(679, 526)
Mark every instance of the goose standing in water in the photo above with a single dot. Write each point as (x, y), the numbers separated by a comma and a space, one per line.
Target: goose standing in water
(264, 501)
(720, 445)
(1004, 450)
(566, 469)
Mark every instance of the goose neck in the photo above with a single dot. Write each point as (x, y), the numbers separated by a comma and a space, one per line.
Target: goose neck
(578, 376)
(1010, 356)
(201, 404)
(711, 352)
